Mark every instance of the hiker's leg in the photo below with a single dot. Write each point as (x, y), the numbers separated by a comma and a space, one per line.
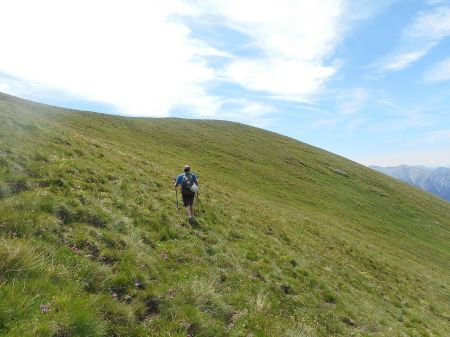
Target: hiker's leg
(192, 209)
(188, 211)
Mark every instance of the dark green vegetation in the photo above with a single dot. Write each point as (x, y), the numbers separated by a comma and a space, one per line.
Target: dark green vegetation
(291, 240)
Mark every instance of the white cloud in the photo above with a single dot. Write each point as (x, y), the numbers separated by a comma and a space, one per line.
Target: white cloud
(10, 85)
(432, 25)
(348, 103)
(249, 112)
(351, 101)
(436, 137)
(436, 2)
(141, 57)
(129, 54)
(393, 118)
(439, 72)
(295, 80)
(402, 61)
(296, 40)
(427, 30)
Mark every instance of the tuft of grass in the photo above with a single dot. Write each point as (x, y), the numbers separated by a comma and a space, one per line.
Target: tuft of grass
(17, 259)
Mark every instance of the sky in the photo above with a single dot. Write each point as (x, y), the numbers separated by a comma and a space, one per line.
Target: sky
(368, 80)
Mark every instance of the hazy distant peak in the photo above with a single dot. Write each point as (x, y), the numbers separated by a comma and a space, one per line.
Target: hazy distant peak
(433, 180)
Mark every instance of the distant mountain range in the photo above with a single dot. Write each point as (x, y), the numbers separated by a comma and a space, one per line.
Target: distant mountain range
(436, 181)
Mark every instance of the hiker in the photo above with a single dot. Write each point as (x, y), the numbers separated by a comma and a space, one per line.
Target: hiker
(188, 183)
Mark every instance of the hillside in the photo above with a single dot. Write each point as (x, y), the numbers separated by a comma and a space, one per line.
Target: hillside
(291, 240)
(433, 180)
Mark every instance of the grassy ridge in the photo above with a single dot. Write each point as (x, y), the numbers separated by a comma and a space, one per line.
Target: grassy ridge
(291, 240)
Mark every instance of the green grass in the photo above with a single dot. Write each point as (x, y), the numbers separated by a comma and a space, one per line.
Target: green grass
(291, 240)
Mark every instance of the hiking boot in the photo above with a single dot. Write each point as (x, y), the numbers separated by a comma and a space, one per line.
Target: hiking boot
(191, 221)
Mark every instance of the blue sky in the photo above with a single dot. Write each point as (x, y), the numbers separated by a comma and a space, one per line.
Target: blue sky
(369, 80)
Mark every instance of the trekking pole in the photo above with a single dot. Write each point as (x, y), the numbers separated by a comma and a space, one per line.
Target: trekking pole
(176, 196)
(198, 205)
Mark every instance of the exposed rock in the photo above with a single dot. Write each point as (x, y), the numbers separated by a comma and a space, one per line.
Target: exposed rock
(339, 171)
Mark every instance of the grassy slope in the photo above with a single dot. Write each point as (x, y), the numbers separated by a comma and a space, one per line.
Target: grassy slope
(285, 246)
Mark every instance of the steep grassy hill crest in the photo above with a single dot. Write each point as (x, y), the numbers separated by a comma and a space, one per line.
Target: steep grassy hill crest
(291, 240)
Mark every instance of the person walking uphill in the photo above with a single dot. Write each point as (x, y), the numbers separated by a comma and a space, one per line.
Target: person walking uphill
(189, 186)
